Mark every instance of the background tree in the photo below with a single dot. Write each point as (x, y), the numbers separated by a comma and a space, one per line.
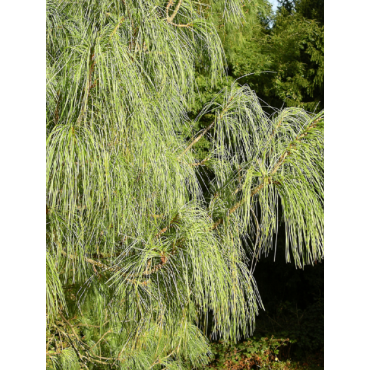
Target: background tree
(297, 43)
(145, 249)
(281, 55)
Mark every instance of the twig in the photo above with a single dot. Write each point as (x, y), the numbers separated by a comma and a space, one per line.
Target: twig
(207, 129)
(200, 163)
(169, 19)
(116, 28)
(170, 3)
(109, 331)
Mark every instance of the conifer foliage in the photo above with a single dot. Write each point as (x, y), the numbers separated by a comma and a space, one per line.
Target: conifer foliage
(144, 251)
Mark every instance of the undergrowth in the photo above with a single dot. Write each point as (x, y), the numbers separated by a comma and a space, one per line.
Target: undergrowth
(261, 353)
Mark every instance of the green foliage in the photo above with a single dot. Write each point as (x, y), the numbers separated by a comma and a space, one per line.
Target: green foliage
(54, 291)
(310, 9)
(281, 56)
(262, 352)
(244, 48)
(298, 46)
(147, 245)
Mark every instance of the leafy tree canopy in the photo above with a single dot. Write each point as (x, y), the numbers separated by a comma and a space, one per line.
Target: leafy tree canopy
(281, 56)
(310, 9)
(146, 248)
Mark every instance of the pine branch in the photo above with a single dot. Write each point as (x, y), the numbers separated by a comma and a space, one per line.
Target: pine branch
(107, 332)
(206, 129)
(116, 28)
(156, 268)
(89, 86)
(173, 15)
(268, 179)
(169, 19)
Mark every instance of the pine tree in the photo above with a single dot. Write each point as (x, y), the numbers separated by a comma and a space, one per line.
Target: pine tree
(148, 247)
